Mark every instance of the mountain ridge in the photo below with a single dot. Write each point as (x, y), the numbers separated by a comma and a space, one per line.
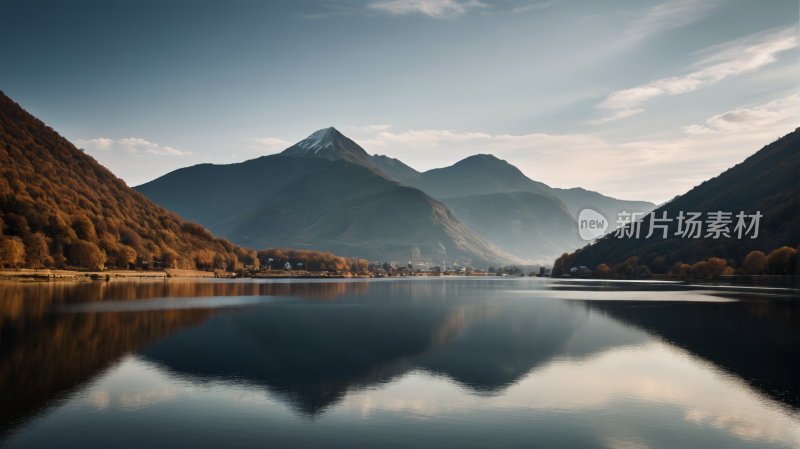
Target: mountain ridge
(768, 181)
(314, 202)
(329, 143)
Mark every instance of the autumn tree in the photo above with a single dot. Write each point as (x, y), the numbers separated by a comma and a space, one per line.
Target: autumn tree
(700, 268)
(558, 266)
(219, 262)
(602, 270)
(782, 261)
(659, 264)
(12, 252)
(680, 268)
(754, 263)
(204, 259)
(86, 254)
(36, 253)
(716, 266)
(627, 269)
(84, 228)
(170, 259)
(125, 255)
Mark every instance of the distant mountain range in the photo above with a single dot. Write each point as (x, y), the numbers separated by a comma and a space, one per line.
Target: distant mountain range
(485, 173)
(303, 199)
(767, 182)
(328, 193)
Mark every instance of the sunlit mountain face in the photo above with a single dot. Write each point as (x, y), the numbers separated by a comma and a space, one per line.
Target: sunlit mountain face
(317, 352)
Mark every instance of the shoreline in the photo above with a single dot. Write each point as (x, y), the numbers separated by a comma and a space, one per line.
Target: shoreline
(791, 282)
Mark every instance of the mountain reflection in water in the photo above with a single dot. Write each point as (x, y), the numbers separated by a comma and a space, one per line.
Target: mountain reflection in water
(326, 340)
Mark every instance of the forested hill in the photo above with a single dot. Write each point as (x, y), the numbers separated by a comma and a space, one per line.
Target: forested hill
(59, 207)
(767, 182)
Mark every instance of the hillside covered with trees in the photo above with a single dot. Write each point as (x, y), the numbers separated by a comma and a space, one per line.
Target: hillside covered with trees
(60, 208)
(766, 183)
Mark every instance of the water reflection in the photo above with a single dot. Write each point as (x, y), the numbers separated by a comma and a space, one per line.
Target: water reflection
(756, 339)
(585, 346)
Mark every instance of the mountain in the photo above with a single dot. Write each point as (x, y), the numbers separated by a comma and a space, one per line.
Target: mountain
(479, 174)
(767, 182)
(524, 224)
(332, 145)
(485, 173)
(577, 198)
(304, 199)
(59, 207)
(395, 169)
(479, 189)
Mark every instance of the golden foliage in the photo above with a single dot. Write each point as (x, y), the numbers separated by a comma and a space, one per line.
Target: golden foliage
(754, 263)
(311, 260)
(602, 270)
(49, 187)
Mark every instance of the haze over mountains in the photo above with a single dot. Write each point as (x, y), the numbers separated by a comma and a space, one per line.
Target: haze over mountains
(327, 193)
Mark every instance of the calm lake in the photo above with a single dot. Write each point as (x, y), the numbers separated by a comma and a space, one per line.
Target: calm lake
(423, 362)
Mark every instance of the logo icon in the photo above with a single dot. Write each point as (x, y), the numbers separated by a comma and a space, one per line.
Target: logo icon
(591, 224)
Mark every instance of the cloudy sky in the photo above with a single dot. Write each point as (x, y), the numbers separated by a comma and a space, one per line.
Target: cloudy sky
(634, 99)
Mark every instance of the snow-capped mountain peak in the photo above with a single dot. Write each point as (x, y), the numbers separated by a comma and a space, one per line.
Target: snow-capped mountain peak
(329, 143)
(318, 140)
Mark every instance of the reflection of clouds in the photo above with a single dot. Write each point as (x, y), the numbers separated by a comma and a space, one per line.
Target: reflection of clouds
(419, 394)
(741, 426)
(654, 379)
(625, 443)
(132, 400)
(654, 375)
(616, 295)
(99, 400)
(139, 399)
(458, 320)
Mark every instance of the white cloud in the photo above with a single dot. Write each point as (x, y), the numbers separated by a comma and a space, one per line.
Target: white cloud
(668, 15)
(425, 137)
(272, 143)
(167, 151)
(645, 169)
(368, 128)
(541, 5)
(731, 59)
(94, 144)
(375, 128)
(744, 119)
(617, 115)
(174, 152)
(698, 129)
(131, 144)
(438, 9)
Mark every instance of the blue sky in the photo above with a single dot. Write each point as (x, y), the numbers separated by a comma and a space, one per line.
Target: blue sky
(634, 99)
